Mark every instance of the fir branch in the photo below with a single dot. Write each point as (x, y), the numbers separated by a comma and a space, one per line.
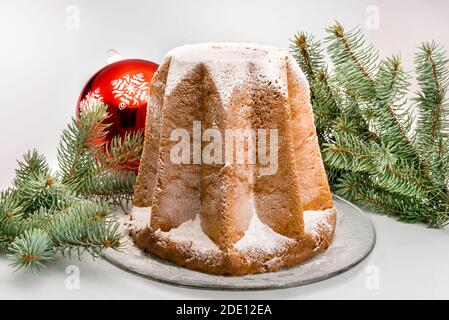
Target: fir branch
(365, 129)
(119, 152)
(34, 249)
(43, 191)
(10, 206)
(361, 189)
(80, 142)
(348, 153)
(89, 163)
(114, 185)
(353, 60)
(15, 226)
(46, 213)
(87, 226)
(308, 53)
(32, 166)
(390, 121)
(432, 130)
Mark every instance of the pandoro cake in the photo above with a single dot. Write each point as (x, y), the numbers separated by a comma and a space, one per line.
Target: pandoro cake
(196, 202)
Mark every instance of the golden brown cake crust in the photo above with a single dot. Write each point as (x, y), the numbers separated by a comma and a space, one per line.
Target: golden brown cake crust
(146, 178)
(315, 191)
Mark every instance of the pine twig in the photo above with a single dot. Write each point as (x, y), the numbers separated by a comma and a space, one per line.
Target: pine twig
(47, 213)
(370, 153)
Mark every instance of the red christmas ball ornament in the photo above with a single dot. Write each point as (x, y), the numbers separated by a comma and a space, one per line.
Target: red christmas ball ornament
(124, 86)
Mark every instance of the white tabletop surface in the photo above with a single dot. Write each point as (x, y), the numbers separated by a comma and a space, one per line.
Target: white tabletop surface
(50, 48)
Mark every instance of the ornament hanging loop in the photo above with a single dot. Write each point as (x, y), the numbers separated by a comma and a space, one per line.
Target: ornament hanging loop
(112, 56)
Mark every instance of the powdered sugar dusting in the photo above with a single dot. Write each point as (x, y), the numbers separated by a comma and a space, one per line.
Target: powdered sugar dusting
(140, 217)
(272, 263)
(228, 63)
(314, 219)
(273, 71)
(178, 70)
(226, 76)
(260, 236)
(298, 74)
(192, 233)
(225, 51)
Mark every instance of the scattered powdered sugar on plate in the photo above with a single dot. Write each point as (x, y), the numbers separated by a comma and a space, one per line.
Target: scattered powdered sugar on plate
(354, 239)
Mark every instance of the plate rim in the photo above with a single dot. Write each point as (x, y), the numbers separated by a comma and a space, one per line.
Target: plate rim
(267, 287)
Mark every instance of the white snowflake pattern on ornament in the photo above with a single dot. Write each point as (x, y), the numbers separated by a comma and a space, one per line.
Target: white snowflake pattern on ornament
(90, 100)
(131, 90)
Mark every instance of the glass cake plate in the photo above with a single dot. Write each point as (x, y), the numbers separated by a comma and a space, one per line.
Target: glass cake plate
(353, 241)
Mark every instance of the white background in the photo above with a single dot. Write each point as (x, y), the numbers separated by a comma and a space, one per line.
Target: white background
(45, 60)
